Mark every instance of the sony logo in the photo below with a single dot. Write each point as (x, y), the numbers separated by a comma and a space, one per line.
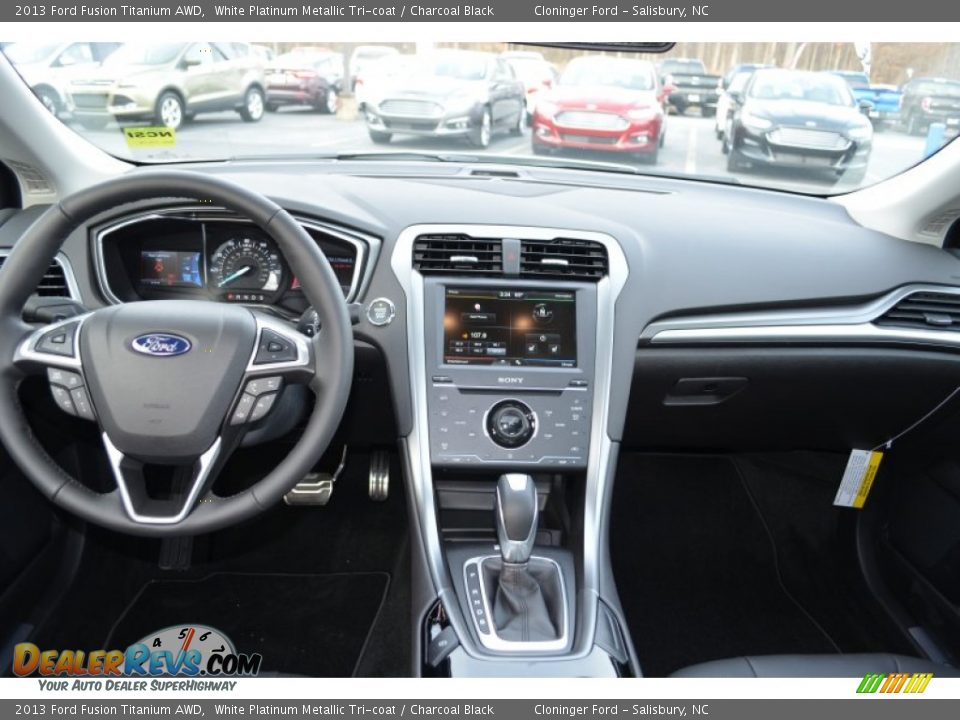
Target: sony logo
(510, 380)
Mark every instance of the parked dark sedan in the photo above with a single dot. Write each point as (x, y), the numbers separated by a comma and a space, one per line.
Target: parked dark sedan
(928, 100)
(305, 78)
(799, 120)
(450, 93)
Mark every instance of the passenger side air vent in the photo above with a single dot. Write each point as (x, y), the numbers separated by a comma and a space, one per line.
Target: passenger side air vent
(563, 258)
(54, 282)
(927, 310)
(457, 255)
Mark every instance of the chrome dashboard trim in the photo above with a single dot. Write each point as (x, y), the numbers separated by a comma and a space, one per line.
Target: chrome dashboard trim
(852, 324)
(602, 451)
(366, 246)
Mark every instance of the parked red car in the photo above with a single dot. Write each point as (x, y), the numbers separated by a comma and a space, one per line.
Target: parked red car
(603, 104)
(305, 77)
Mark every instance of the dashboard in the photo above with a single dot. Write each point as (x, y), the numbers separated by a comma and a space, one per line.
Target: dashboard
(536, 320)
(203, 253)
(687, 257)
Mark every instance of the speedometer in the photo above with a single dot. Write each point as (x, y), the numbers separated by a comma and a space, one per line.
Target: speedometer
(244, 265)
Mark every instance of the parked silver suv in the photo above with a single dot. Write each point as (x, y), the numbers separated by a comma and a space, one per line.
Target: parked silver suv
(48, 67)
(169, 83)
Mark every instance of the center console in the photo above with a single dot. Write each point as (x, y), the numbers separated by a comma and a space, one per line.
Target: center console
(510, 333)
(509, 373)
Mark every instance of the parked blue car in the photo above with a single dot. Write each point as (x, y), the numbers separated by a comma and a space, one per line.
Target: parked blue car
(884, 98)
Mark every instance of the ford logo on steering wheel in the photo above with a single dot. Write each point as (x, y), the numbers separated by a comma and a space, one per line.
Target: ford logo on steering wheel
(161, 345)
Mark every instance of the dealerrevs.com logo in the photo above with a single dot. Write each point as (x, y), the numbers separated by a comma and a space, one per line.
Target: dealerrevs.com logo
(176, 651)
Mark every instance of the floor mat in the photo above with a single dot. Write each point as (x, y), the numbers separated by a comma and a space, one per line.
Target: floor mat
(696, 569)
(313, 625)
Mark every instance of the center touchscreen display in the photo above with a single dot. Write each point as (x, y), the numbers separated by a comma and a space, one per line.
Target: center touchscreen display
(510, 327)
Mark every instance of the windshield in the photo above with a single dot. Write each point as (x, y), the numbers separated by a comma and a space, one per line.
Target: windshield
(943, 89)
(455, 66)
(792, 121)
(858, 81)
(138, 54)
(682, 67)
(531, 69)
(625, 74)
(739, 81)
(301, 60)
(26, 53)
(812, 87)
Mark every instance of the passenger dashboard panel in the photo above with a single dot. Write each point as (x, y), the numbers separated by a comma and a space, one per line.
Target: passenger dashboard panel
(203, 254)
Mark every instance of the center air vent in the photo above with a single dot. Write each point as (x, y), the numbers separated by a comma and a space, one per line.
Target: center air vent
(54, 282)
(457, 255)
(927, 310)
(563, 258)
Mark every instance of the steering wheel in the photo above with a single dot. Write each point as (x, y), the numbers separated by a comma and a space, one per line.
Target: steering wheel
(170, 382)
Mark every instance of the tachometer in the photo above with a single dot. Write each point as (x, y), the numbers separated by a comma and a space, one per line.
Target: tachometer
(243, 267)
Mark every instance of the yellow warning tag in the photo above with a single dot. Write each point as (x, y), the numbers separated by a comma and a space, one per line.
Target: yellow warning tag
(149, 137)
(858, 478)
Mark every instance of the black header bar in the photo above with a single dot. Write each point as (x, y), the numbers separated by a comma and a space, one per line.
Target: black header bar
(538, 11)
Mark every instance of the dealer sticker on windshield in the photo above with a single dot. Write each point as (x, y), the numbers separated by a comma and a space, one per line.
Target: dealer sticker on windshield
(858, 478)
(150, 137)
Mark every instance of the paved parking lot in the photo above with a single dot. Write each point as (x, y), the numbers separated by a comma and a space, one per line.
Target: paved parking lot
(691, 147)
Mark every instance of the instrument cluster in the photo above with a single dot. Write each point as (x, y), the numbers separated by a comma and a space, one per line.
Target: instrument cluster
(217, 256)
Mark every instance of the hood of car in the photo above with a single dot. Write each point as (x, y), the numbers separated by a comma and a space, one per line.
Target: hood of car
(133, 73)
(433, 88)
(806, 113)
(601, 97)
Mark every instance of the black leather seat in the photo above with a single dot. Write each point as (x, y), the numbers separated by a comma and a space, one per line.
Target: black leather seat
(815, 666)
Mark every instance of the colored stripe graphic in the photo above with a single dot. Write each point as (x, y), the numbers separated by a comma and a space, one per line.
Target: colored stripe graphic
(870, 683)
(894, 683)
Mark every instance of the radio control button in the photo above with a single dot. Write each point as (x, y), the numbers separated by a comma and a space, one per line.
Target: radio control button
(510, 424)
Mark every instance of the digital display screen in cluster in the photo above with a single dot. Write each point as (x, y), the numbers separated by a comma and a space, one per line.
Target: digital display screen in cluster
(510, 327)
(170, 268)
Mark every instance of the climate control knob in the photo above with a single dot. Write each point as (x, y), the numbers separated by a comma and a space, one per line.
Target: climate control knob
(511, 424)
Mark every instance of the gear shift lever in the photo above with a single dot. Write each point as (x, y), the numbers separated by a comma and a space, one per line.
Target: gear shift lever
(516, 517)
(526, 600)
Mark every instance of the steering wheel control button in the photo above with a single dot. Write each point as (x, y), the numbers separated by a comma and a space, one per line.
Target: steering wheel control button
(263, 385)
(510, 423)
(242, 410)
(274, 348)
(262, 407)
(61, 396)
(381, 312)
(64, 378)
(58, 341)
(81, 402)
